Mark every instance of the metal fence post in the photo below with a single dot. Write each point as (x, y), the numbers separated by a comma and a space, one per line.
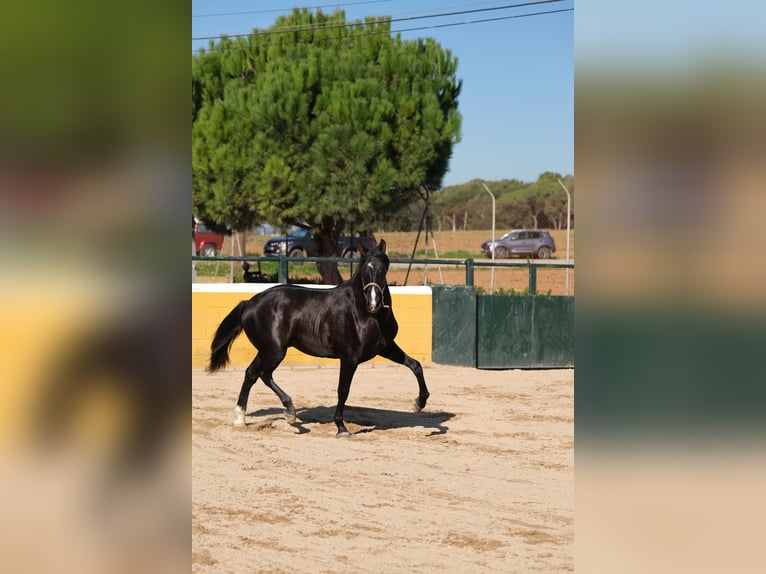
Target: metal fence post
(282, 273)
(532, 279)
(469, 272)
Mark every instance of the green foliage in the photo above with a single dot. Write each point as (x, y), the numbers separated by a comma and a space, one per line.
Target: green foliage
(329, 126)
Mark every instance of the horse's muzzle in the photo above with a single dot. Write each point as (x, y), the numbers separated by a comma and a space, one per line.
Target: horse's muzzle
(373, 296)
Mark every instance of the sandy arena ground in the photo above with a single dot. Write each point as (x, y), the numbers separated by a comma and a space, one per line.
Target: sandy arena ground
(481, 481)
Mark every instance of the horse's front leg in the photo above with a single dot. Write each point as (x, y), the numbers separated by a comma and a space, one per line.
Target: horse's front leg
(347, 370)
(394, 353)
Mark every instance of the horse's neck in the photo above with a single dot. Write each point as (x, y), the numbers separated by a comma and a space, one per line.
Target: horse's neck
(355, 280)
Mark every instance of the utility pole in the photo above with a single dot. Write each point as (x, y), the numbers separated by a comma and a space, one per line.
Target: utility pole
(492, 273)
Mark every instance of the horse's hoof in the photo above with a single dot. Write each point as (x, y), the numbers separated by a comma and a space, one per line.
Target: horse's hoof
(343, 434)
(290, 418)
(416, 408)
(240, 422)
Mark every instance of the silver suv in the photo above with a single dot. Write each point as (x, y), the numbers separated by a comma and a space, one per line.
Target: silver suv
(529, 242)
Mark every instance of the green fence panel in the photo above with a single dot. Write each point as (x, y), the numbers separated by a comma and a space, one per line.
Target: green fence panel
(524, 331)
(454, 325)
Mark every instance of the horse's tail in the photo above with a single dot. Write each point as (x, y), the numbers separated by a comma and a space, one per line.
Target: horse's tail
(227, 331)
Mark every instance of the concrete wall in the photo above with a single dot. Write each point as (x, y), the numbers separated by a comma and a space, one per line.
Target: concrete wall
(211, 302)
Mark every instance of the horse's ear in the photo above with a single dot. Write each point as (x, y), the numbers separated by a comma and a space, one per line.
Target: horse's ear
(382, 245)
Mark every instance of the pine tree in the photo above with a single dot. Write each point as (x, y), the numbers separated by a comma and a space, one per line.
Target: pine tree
(320, 124)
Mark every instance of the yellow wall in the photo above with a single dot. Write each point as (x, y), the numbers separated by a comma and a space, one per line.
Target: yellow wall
(212, 302)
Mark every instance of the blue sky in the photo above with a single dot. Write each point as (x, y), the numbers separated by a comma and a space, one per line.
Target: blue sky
(661, 35)
(518, 95)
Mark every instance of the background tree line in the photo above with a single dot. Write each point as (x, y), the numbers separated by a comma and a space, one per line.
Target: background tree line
(540, 204)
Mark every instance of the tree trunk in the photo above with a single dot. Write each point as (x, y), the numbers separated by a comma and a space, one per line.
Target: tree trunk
(535, 216)
(453, 220)
(329, 272)
(327, 242)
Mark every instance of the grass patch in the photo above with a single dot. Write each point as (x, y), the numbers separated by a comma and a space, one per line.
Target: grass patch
(266, 272)
(215, 269)
(454, 254)
(461, 254)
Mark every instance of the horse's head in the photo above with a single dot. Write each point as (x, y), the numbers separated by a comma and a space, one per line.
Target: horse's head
(373, 266)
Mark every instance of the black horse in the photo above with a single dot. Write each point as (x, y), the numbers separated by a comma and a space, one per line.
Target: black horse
(352, 322)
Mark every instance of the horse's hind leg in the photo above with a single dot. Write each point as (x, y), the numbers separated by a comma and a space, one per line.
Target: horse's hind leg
(268, 380)
(251, 376)
(394, 353)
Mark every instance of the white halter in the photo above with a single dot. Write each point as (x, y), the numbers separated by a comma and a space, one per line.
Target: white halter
(373, 284)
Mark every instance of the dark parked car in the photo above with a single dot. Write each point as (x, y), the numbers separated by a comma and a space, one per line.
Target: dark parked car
(206, 242)
(300, 243)
(529, 242)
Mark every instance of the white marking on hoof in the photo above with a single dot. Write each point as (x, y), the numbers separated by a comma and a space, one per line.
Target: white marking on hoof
(240, 420)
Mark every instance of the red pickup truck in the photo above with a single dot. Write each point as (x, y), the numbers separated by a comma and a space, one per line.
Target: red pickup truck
(207, 243)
